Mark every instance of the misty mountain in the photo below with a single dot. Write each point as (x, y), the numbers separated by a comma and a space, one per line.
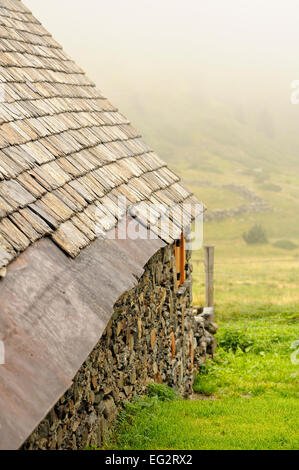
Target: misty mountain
(202, 132)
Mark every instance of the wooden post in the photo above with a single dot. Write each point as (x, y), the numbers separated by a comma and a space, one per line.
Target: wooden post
(177, 262)
(182, 259)
(209, 272)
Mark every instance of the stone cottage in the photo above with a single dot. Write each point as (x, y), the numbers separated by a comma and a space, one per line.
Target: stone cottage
(88, 315)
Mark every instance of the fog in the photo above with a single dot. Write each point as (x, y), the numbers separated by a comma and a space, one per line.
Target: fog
(185, 54)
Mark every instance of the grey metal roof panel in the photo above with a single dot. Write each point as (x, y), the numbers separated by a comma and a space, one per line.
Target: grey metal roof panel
(53, 312)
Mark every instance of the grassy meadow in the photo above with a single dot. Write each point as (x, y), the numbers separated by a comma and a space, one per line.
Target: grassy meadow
(247, 397)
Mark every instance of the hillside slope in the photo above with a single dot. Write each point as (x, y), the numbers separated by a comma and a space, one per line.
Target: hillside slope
(210, 141)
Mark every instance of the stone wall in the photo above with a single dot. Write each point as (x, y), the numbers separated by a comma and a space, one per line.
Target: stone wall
(255, 204)
(153, 335)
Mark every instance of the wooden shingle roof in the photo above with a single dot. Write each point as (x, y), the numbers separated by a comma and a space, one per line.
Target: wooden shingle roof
(64, 148)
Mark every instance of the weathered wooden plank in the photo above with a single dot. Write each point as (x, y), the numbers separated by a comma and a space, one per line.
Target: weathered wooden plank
(81, 221)
(7, 253)
(14, 236)
(209, 274)
(15, 194)
(37, 223)
(70, 239)
(44, 213)
(24, 226)
(82, 190)
(57, 206)
(31, 185)
(5, 208)
(72, 193)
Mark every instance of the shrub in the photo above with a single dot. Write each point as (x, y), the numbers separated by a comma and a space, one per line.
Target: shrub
(271, 187)
(285, 245)
(205, 385)
(162, 392)
(232, 339)
(256, 235)
(205, 382)
(261, 178)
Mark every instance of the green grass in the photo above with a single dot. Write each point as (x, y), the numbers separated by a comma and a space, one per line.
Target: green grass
(225, 197)
(231, 423)
(247, 397)
(248, 279)
(253, 359)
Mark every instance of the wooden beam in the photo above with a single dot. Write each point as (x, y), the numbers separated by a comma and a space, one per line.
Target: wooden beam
(182, 259)
(177, 262)
(209, 274)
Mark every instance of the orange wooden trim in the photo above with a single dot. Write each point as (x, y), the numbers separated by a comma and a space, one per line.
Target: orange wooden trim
(177, 262)
(173, 348)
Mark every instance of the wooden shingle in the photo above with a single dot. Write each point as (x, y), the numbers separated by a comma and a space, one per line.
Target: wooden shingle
(64, 148)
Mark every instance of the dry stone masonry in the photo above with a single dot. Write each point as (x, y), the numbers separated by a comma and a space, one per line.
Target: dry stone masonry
(154, 335)
(255, 204)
